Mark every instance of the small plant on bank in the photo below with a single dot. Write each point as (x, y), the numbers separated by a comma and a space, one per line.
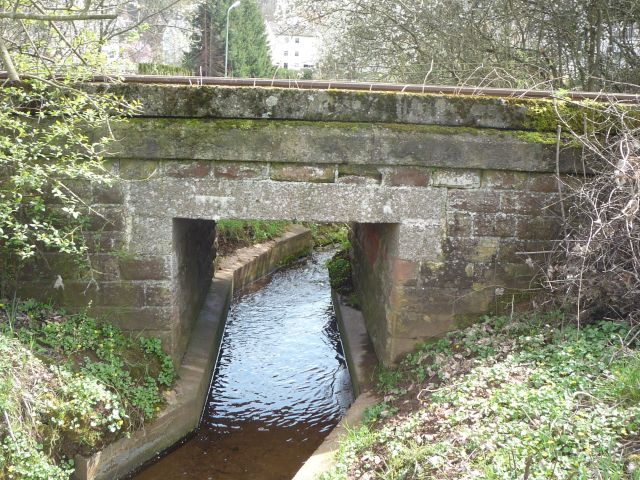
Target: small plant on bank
(234, 234)
(70, 385)
(530, 398)
(324, 234)
(340, 272)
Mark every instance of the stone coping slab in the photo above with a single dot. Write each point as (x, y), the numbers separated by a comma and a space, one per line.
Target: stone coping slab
(186, 402)
(205, 101)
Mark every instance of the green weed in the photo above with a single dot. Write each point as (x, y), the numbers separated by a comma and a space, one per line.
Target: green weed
(70, 384)
(233, 234)
(340, 275)
(528, 398)
(329, 234)
(624, 385)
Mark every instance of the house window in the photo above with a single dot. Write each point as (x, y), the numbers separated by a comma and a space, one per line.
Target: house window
(297, 40)
(286, 53)
(297, 54)
(285, 65)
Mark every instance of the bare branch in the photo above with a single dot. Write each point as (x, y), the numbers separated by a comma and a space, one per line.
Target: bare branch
(8, 62)
(61, 35)
(57, 18)
(143, 20)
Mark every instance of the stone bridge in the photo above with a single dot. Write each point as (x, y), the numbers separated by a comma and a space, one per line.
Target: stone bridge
(443, 192)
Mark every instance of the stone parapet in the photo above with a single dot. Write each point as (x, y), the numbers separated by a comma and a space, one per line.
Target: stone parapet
(202, 101)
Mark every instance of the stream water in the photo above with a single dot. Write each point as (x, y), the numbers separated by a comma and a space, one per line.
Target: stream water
(280, 385)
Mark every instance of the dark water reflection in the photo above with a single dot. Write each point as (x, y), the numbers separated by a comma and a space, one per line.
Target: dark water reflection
(280, 385)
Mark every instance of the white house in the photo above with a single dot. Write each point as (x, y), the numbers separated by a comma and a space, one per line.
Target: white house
(292, 47)
(294, 43)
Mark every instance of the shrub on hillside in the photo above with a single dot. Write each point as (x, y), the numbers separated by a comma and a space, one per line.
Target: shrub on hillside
(596, 267)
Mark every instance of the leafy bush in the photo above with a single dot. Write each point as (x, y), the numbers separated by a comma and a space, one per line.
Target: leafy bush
(21, 458)
(596, 269)
(329, 234)
(45, 155)
(68, 385)
(162, 69)
(340, 272)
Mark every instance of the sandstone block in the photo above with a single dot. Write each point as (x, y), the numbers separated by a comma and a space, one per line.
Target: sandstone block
(504, 180)
(119, 294)
(100, 242)
(239, 171)
(546, 183)
(107, 219)
(143, 268)
(455, 178)
(538, 228)
(192, 169)
(302, 173)
(478, 249)
(138, 169)
(359, 175)
(157, 294)
(105, 267)
(140, 319)
(409, 177)
(494, 225)
(480, 201)
(403, 272)
(459, 224)
(525, 203)
(109, 194)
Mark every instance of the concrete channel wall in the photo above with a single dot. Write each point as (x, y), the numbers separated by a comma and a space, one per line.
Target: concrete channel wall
(362, 361)
(186, 401)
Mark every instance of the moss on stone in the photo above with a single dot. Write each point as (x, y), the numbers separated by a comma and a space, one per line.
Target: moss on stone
(539, 133)
(546, 138)
(289, 259)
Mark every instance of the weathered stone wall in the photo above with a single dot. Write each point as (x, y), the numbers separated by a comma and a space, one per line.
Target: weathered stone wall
(491, 217)
(440, 206)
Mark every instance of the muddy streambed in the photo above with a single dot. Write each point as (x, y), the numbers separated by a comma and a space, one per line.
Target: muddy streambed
(280, 385)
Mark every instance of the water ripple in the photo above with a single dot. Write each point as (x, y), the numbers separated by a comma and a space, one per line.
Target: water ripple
(281, 383)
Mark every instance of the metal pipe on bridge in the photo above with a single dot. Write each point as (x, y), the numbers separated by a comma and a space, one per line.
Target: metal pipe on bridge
(361, 86)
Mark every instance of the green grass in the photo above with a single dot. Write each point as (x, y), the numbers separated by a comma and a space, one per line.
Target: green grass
(325, 234)
(68, 385)
(233, 234)
(529, 398)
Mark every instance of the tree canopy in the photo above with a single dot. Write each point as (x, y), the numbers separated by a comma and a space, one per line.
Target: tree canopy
(513, 43)
(248, 47)
(47, 153)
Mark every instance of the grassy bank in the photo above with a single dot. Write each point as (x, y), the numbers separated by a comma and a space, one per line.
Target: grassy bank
(234, 234)
(69, 385)
(506, 399)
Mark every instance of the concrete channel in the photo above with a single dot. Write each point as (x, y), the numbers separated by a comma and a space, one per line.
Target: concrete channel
(185, 402)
